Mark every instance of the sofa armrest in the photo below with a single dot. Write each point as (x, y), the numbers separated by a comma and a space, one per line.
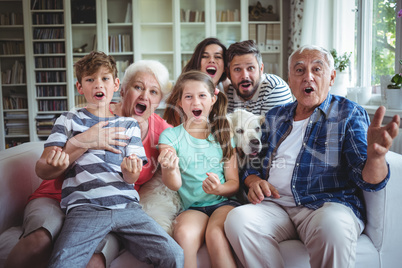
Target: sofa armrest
(17, 181)
(384, 212)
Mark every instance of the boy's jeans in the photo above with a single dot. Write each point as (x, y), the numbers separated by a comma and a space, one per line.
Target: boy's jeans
(86, 226)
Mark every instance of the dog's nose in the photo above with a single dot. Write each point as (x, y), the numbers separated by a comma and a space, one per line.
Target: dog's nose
(255, 142)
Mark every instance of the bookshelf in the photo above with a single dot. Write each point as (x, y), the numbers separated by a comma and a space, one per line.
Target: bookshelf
(48, 61)
(14, 123)
(43, 38)
(266, 29)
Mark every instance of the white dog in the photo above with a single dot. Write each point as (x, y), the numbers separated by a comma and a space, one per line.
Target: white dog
(159, 202)
(246, 130)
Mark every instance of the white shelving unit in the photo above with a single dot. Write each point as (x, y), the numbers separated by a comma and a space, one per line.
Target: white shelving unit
(14, 122)
(165, 30)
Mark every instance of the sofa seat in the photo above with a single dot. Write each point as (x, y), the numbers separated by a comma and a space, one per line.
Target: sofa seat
(378, 246)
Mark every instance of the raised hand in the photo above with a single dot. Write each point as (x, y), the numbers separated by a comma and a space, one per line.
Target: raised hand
(211, 185)
(379, 138)
(101, 138)
(58, 159)
(131, 167)
(168, 160)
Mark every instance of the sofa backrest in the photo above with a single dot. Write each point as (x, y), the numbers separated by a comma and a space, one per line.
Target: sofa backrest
(17, 181)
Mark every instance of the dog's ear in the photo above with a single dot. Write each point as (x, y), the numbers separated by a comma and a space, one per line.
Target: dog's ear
(262, 119)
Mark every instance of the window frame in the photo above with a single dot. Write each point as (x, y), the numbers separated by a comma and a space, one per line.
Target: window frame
(364, 41)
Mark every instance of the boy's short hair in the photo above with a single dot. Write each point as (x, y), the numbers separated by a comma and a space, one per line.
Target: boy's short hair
(92, 62)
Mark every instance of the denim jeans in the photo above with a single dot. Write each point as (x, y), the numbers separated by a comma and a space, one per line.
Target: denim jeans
(86, 226)
(208, 210)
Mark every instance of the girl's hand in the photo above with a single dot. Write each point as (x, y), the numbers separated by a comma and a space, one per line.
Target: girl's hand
(131, 167)
(168, 160)
(100, 138)
(58, 159)
(212, 184)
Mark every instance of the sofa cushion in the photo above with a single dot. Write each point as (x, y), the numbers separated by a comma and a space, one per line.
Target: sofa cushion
(8, 239)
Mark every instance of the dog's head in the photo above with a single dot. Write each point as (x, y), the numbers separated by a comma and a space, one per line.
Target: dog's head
(246, 129)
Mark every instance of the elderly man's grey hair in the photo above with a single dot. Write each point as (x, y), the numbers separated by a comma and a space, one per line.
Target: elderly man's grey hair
(153, 67)
(324, 51)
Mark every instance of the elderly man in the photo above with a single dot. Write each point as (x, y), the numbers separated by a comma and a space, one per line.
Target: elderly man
(320, 152)
(252, 89)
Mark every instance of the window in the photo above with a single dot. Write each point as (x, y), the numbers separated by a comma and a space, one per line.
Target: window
(377, 42)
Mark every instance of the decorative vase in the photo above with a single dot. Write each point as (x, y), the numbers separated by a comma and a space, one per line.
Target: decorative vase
(341, 84)
(394, 97)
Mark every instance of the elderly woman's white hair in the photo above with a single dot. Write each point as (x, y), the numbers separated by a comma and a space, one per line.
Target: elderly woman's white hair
(153, 67)
(325, 52)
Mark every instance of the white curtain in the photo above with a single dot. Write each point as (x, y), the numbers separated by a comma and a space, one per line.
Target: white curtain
(326, 23)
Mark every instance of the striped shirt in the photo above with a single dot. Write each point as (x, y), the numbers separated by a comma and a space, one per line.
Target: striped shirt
(333, 154)
(95, 178)
(271, 92)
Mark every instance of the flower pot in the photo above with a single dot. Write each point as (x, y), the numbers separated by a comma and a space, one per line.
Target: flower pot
(394, 97)
(341, 83)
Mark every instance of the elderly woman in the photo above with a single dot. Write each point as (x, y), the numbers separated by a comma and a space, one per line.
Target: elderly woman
(143, 87)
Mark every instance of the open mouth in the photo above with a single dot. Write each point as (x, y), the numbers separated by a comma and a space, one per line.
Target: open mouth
(99, 95)
(196, 113)
(245, 84)
(140, 108)
(211, 71)
(308, 90)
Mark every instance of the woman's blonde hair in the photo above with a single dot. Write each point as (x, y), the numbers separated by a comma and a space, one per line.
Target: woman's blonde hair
(219, 124)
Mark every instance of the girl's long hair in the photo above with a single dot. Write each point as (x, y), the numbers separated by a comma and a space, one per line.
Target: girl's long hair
(219, 124)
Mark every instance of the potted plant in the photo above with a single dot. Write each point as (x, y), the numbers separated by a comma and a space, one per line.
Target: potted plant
(341, 63)
(394, 92)
(396, 80)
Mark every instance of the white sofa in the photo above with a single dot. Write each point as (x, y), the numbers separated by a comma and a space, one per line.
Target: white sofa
(379, 245)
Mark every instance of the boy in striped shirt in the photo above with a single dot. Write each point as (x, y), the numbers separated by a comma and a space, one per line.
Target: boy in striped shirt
(98, 193)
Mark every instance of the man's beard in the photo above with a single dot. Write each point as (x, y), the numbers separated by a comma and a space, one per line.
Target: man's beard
(249, 94)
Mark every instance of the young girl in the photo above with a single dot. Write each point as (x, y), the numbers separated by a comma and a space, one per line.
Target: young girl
(198, 161)
(209, 57)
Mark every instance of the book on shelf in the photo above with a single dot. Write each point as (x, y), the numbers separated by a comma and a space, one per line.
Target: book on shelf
(227, 15)
(44, 123)
(121, 68)
(261, 39)
(252, 32)
(95, 43)
(16, 127)
(42, 117)
(15, 101)
(15, 115)
(120, 43)
(15, 75)
(129, 14)
(192, 15)
(269, 44)
(11, 18)
(12, 47)
(276, 36)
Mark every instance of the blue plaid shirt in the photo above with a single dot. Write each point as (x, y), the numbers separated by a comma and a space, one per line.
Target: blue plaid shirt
(334, 151)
